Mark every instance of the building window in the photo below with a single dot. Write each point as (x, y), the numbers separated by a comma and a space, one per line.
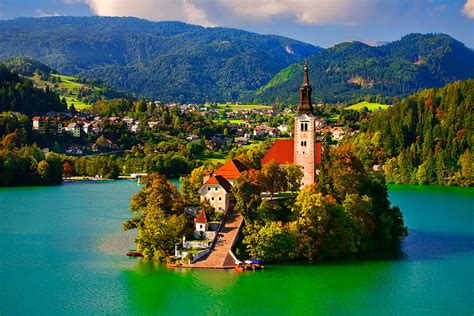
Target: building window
(303, 143)
(304, 126)
(220, 199)
(217, 189)
(220, 208)
(212, 198)
(200, 226)
(208, 188)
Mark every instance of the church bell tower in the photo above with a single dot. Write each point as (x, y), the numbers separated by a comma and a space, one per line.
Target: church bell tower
(305, 133)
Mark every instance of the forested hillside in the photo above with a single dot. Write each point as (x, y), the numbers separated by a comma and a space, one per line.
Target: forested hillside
(426, 139)
(348, 72)
(80, 92)
(18, 94)
(166, 60)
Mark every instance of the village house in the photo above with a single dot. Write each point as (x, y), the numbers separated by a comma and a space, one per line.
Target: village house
(87, 128)
(39, 124)
(74, 129)
(217, 186)
(284, 128)
(242, 140)
(135, 128)
(217, 190)
(192, 138)
(152, 124)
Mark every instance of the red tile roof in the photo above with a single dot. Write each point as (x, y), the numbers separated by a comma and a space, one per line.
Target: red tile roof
(220, 180)
(282, 152)
(201, 218)
(231, 169)
(318, 153)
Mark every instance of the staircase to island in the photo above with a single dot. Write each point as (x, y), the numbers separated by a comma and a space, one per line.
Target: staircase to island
(220, 256)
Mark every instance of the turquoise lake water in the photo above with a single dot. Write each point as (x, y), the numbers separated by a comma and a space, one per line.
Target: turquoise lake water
(62, 252)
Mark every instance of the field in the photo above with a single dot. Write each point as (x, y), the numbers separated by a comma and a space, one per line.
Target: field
(67, 88)
(73, 87)
(230, 121)
(213, 157)
(236, 107)
(370, 106)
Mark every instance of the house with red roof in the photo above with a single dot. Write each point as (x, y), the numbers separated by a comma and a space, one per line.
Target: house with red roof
(218, 191)
(231, 170)
(304, 149)
(217, 186)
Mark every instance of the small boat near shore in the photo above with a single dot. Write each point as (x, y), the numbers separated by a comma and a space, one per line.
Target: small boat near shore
(249, 265)
(134, 253)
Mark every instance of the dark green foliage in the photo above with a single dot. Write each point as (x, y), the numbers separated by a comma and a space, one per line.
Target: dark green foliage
(354, 71)
(27, 165)
(19, 95)
(166, 60)
(26, 66)
(421, 140)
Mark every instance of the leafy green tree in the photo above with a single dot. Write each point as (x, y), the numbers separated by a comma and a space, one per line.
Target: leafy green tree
(44, 170)
(191, 184)
(273, 178)
(272, 242)
(159, 234)
(246, 190)
(294, 175)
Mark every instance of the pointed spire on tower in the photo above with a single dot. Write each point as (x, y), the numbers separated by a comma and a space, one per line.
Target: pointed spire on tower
(305, 106)
(305, 78)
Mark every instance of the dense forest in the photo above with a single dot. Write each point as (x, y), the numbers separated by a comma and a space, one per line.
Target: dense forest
(427, 138)
(353, 71)
(19, 95)
(170, 61)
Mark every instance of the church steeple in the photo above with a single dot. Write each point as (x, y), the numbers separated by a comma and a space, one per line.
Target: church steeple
(305, 106)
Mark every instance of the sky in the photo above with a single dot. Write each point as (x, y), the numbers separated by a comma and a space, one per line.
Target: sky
(319, 22)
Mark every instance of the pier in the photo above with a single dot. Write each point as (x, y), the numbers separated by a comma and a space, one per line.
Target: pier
(221, 256)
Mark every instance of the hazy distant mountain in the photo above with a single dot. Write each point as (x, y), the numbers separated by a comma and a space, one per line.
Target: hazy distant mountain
(348, 71)
(166, 60)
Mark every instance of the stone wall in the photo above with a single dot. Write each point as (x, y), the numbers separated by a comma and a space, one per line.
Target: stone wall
(206, 234)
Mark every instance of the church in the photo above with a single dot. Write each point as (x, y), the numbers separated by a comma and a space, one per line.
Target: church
(304, 149)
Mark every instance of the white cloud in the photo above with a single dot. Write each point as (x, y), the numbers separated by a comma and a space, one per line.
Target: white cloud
(42, 14)
(468, 9)
(158, 10)
(305, 11)
(221, 12)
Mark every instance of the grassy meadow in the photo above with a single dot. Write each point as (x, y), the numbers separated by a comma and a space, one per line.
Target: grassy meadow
(370, 106)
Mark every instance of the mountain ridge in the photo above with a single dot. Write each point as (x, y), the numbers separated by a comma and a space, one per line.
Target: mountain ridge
(351, 71)
(166, 60)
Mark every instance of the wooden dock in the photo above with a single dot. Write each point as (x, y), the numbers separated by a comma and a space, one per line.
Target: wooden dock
(220, 257)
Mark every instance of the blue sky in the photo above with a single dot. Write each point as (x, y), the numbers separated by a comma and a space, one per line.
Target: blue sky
(320, 22)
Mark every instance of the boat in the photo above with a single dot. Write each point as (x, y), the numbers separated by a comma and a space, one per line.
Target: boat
(248, 265)
(134, 253)
(258, 264)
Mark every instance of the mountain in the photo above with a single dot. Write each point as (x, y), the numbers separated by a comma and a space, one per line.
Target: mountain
(350, 71)
(165, 60)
